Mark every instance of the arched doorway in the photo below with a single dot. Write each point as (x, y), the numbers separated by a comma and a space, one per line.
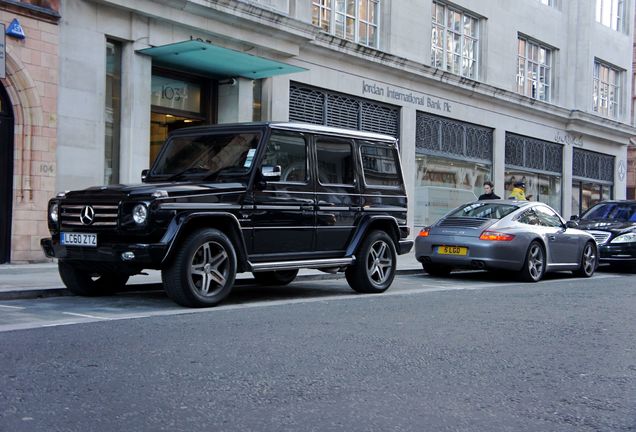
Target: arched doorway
(6, 174)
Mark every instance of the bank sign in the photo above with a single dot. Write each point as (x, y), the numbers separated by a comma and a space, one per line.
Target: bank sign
(399, 94)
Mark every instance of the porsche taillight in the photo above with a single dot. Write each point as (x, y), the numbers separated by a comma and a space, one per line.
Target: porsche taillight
(495, 236)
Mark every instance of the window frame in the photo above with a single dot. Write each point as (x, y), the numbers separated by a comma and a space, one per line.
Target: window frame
(325, 14)
(529, 62)
(335, 140)
(597, 96)
(443, 29)
(613, 17)
(398, 177)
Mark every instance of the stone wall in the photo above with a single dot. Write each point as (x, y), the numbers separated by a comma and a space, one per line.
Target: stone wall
(32, 85)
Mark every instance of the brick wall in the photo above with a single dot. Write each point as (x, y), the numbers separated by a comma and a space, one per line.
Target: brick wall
(32, 82)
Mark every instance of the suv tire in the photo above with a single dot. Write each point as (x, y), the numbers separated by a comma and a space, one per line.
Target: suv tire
(202, 272)
(86, 283)
(276, 278)
(375, 265)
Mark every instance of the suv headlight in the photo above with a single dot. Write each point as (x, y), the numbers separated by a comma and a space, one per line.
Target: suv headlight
(140, 214)
(54, 212)
(625, 238)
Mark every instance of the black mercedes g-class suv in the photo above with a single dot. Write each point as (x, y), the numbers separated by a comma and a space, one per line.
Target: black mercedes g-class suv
(267, 198)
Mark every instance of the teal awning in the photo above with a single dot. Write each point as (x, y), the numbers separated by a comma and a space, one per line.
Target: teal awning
(205, 58)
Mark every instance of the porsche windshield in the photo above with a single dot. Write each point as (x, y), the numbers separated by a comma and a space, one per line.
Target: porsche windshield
(484, 209)
(612, 211)
(207, 155)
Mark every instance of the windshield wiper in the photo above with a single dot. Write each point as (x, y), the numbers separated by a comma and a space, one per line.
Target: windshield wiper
(189, 170)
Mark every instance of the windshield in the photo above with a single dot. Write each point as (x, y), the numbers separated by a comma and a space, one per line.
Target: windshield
(206, 155)
(483, 209)
(612, 211)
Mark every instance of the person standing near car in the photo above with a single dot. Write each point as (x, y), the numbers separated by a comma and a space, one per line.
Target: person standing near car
(518, 191)
(489, 193)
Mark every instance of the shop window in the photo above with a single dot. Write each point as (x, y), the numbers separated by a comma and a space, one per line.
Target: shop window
(542, 187)
(112, 112)
(453, 160)
(593, 179)
(454, 40)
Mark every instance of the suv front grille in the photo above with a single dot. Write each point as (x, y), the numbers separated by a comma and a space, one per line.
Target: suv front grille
(601, 237)
(105, 215)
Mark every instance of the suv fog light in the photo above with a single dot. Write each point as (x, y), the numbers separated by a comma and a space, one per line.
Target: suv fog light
(53, 213)
(140, 213)
(128, 256)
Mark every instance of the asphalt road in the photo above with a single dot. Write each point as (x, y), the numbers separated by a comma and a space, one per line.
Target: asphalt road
(473, 352)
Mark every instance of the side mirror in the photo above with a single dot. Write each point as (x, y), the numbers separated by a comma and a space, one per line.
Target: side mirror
(571, 224)
(574, 217)
(271, 172)
(144, 174)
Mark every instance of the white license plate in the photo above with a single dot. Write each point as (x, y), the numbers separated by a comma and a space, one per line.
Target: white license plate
(78, 239)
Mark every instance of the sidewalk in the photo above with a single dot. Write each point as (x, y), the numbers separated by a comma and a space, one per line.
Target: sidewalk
(19, 281)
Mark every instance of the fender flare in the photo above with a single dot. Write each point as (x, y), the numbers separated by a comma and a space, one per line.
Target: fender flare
(177, 230)
(366, 225)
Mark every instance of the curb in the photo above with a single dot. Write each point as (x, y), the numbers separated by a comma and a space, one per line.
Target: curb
(45, 292)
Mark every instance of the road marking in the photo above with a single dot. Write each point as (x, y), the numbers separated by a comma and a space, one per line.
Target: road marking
(429, 286)
(85, 316)
(12, 307)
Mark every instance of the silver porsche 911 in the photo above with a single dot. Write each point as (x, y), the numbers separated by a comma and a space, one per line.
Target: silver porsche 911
(526, 237)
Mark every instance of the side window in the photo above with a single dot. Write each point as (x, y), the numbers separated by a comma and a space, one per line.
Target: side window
(529, 217)
(548, 218)
(379, 164)
(290, 152)
(335, 161)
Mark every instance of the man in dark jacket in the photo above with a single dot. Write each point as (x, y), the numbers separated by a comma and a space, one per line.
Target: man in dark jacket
(489, 193)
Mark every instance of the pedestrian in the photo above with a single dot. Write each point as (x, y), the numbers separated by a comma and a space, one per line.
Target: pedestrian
(489, 193)
(518, 191)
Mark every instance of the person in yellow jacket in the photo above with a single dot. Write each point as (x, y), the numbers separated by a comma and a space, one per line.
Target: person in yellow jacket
(518, 191)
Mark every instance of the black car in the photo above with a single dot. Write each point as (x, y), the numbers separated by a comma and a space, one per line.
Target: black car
(267, 198)
(613, 225)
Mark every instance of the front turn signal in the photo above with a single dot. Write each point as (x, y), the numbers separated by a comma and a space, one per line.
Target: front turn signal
(424, 232)
(495, 236)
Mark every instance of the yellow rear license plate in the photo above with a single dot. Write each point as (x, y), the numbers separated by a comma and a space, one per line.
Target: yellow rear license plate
(452, 250)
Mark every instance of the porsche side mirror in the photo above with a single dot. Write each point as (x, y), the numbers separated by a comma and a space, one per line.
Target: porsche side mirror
(571, 224)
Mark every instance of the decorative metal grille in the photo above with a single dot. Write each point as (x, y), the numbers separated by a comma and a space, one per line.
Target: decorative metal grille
(538, 155)
(317, 106)
(591, 165)
(443, 136)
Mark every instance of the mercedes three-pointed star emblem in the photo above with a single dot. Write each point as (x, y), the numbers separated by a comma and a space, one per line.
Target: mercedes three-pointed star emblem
(87, 215)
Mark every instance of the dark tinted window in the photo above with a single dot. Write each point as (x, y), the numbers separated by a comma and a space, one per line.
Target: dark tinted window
(380, 165)
(484, 210)
(335, 161)
(612, 211)
(290, 152)
(206, 154)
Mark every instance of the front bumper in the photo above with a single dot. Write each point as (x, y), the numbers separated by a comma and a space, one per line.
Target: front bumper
(617, 253)
(144, 255)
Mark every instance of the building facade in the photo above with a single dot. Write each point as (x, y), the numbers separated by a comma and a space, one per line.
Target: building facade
(28, 123)
(532, 90)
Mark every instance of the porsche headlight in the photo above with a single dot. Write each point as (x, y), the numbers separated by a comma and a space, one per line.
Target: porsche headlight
(54, 212)
(625, 238)
(140, 214)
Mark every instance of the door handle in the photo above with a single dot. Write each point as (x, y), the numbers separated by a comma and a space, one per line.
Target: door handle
(552, 237)
(356, 209)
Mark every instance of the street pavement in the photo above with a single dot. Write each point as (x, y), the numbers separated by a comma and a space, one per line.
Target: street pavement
(42, 279)
(475, 351)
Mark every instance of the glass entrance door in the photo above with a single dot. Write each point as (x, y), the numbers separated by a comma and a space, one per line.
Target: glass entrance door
(6, 174)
